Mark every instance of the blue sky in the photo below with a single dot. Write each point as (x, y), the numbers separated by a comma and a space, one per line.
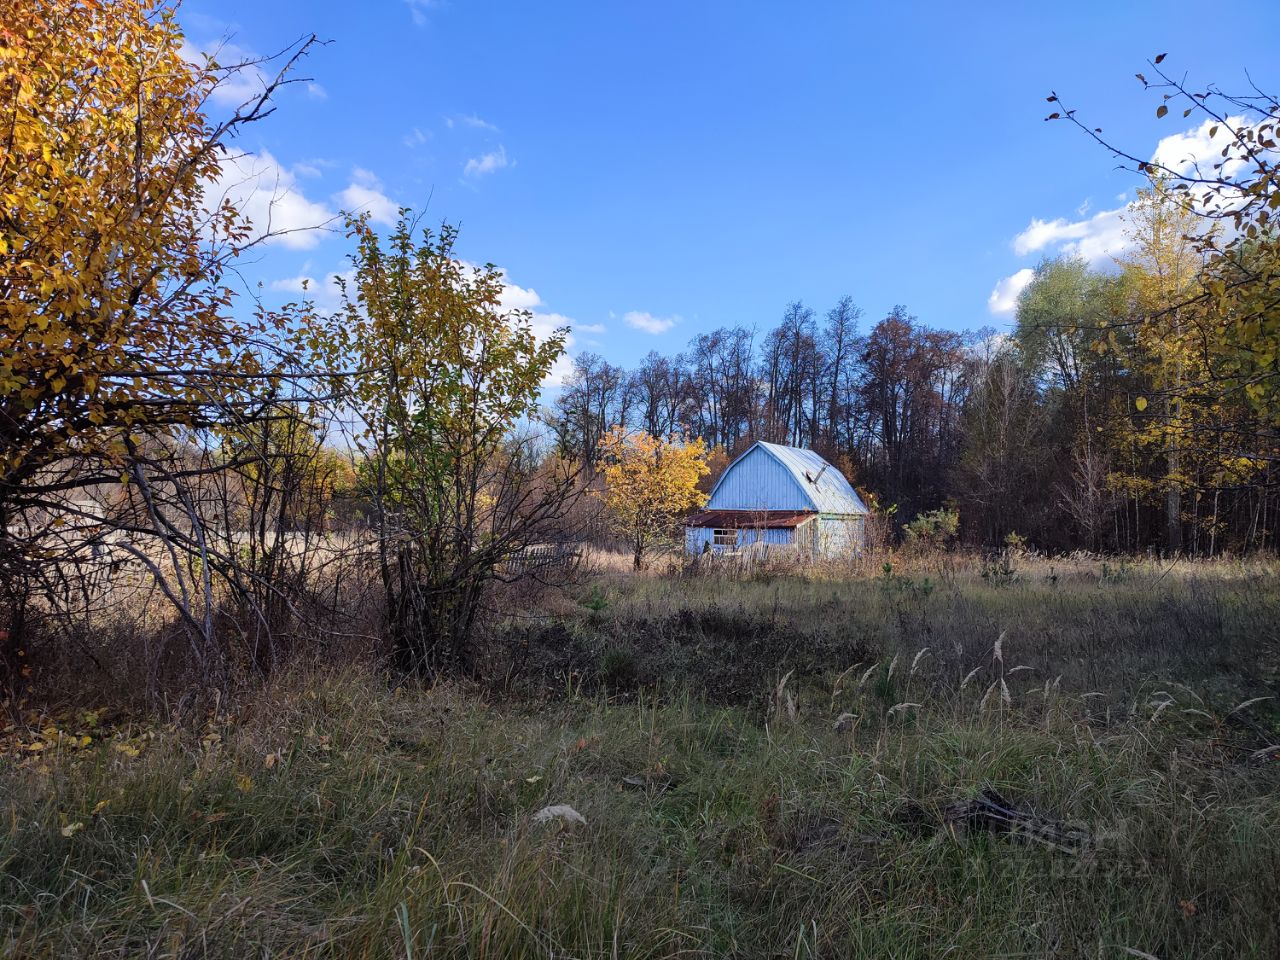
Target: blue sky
(648, 171)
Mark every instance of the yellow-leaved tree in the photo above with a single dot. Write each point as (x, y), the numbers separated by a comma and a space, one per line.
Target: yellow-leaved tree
(1184, 431)
(113, 246)
(116, 332)
(1164, 343)
(447, 378)
(648, 484)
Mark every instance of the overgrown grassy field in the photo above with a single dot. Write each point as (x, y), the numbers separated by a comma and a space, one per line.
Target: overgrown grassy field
(778, 767)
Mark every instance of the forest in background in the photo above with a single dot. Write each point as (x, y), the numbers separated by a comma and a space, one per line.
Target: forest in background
(1104, 420)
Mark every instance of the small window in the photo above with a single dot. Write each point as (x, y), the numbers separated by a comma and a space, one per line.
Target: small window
(725, 538)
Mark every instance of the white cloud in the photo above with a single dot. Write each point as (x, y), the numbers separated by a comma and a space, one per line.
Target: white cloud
(648, 322)
(1100, 238)
(589, 327)
(269, 196)
(299, 284)
(1004, 298)
(418, 10)
(1184, 152)
(241, 79)
(1096, 239)
(543, 324)
(470, 120)
(239, 71)
(415, 138)
(322, 291)
(364, 195)
(486, 163)
(515, 297)
(560, 372)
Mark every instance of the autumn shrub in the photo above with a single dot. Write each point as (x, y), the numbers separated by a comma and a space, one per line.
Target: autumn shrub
(932, 530)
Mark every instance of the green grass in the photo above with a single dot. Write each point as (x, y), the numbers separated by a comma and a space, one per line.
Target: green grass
(399, 823)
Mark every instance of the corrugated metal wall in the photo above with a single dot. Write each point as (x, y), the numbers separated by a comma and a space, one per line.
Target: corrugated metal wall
(828, 536)
(826, 487)
(840, 536)
(757, 481)
(696, 537)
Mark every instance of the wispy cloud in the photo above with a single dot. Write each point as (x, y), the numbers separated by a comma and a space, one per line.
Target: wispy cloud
(470, 120)
(647, 322)
(241, 77)
(302, 283)
(324, 292)
(418, 10)
(486, 164)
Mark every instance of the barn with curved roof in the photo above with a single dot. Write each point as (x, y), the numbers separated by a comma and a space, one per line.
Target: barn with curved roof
(783, 496)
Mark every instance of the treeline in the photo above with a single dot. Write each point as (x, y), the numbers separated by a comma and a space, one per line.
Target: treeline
(1100, 422)
(885, 405)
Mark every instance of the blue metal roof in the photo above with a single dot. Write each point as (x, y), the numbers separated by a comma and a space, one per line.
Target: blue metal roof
(769, 476)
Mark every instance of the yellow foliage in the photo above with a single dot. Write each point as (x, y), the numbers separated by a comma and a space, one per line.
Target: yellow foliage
(113, 306)
(649, 483)
(1172, 347)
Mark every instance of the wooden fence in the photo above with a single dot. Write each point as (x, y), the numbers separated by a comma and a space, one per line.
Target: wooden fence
(541, 559)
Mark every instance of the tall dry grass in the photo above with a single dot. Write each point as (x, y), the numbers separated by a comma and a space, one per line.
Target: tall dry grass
(767, 766)
(331, 816)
